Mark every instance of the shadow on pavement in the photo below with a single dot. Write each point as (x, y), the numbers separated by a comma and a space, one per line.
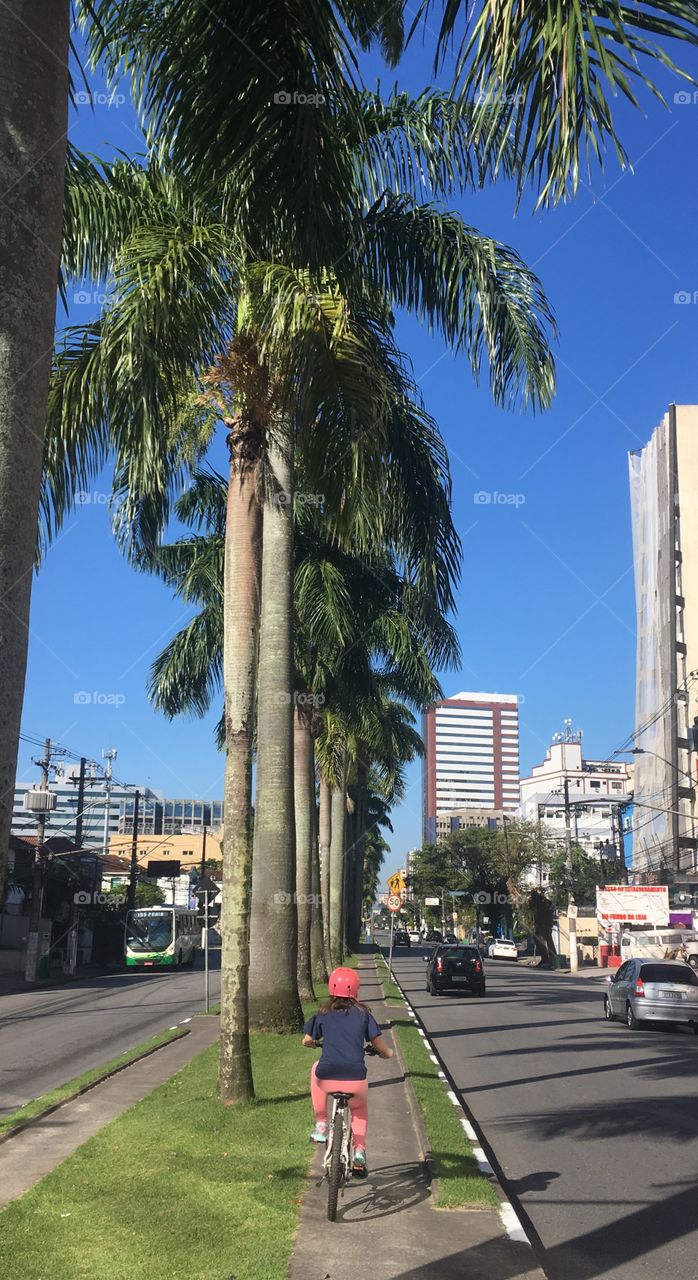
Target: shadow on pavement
(386, 1191)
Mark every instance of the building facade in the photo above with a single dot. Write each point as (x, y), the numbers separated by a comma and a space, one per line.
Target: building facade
(471, 756)
(599, 793)
(171, 817)
(100, 812)
(664, 507)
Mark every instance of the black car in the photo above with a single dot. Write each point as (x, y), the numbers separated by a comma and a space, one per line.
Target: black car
(450, 937)
(455, 969)
(434, 936)
(401, 938)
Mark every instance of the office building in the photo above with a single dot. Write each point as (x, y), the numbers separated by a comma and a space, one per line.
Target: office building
(471, 756)
(98, 809)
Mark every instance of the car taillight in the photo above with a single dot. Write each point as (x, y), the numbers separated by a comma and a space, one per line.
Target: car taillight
(639, 987)
(478, 967)
(440, 965)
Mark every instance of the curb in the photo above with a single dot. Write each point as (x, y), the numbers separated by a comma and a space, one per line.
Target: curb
(107, 1075)
(486, 1160)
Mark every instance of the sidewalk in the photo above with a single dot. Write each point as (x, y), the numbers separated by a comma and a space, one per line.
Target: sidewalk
(387, 1226)
(32, 1154)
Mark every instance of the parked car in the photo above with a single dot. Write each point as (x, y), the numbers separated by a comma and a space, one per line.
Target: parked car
(401, 938)
(415, 935)
(434, 935)
(455, 969)
(502, 949)
(652, 991)
(450, 937)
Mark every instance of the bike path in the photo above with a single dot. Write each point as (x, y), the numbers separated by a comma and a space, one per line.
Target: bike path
(387, 1226)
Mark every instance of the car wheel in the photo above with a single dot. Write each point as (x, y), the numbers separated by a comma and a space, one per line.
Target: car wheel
(607, 1010)
(433, 989)
(481, 992)
(695, 1028)
(693, 961)
(632, 1021)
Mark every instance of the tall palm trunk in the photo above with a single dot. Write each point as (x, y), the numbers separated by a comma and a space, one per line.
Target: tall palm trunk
(325, 836)
(34, 111)
(361, 815)
(274, 1002)
(337, 843)
(304, 796)
(243, 536)
(349, 858)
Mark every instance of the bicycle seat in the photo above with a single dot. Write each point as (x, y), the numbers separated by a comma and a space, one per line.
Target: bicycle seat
(342, 1097)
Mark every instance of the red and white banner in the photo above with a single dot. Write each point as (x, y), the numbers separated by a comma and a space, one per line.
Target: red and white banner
(644, 904)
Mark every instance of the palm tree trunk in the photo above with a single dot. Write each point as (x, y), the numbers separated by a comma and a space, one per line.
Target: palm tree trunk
(304, 795)
(243, 536)
(359, 854)
(318, 966)
(325, 836)
(274, 1002)
(337, 841)
(34, 110)
(349, 857)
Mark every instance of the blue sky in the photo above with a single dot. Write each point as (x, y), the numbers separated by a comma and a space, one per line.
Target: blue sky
(546, 602)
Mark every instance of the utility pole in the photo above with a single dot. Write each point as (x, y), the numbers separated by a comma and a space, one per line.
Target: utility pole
(203, 855)
(571, 906)
(81, 803)
(134, 854)
(32, 960)
(109, 755)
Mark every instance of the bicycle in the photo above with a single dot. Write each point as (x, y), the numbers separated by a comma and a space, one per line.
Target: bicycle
(339, 1154)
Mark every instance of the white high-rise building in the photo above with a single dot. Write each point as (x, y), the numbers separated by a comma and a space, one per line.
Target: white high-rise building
(472, 755)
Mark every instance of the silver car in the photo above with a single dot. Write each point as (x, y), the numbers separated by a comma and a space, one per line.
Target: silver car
(653, 991)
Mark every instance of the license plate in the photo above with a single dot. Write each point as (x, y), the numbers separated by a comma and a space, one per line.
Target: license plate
(672, 995)
(458, 977)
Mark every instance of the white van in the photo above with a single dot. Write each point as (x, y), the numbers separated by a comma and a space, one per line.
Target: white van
(653, 944)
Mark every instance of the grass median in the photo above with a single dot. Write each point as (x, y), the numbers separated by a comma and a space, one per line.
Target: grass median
(460, 1182)
(30, 1110)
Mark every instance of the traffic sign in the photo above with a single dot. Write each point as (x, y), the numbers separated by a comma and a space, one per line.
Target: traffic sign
(394, 902)
(396, 883)
(572, 911)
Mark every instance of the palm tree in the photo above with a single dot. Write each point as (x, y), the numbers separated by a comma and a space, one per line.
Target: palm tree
(34, 112)
(178, 272)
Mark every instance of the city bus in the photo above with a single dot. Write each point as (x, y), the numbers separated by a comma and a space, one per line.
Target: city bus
(156, 936)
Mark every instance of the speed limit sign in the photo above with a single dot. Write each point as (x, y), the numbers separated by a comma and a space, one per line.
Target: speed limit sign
(394, 902)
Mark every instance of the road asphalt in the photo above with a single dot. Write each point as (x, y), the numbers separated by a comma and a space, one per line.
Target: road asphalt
(50, 1035)
(594, 1127)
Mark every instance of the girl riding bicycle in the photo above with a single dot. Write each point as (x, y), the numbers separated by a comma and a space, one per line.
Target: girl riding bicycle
(344, 1026)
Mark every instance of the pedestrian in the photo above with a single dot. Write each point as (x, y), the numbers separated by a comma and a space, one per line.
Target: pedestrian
(344, 1026)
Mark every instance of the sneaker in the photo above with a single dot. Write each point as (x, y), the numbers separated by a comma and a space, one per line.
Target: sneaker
(360, 1168)
(319, 1133)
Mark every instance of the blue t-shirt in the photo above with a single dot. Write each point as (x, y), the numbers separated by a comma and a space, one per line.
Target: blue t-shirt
(343, 1034)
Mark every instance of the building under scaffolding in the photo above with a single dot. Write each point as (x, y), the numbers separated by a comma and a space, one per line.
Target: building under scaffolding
(664, 505)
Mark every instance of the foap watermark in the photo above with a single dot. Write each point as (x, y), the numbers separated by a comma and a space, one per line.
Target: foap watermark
(98, 699)
(485, 96)
(684, 98)
(298, 899)
(483, 899)
(684, 298)
(300, 699)
(99, 98)
(86, 499)
(283, 499)
(493, 498)
(286, 99)
(84, 899)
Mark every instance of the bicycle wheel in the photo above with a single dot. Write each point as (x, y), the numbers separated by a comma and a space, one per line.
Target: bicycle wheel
(335, 1171)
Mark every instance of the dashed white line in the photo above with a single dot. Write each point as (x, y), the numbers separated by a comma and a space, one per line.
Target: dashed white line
(511, 1223)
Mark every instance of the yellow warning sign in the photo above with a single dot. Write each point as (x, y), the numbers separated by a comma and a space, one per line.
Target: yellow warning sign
(396, 883)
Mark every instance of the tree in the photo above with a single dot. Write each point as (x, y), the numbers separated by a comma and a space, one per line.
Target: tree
(587, 874)
(34, 112)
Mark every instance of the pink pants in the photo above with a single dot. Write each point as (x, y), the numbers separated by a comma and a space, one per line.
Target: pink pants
(358, 1104)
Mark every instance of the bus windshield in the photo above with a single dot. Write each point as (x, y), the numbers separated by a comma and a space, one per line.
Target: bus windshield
(148, 930)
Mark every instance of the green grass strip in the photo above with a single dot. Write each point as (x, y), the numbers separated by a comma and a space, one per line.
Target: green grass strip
(460, 1182)
(34, 1108)
(179, 1187)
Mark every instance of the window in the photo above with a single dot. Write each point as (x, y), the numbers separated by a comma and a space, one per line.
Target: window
(596, 786)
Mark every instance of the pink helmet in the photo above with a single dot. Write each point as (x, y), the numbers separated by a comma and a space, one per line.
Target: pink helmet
(345, 982)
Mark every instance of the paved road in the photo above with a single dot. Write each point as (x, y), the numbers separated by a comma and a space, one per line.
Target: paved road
(595, 1127)
(49, 1036)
